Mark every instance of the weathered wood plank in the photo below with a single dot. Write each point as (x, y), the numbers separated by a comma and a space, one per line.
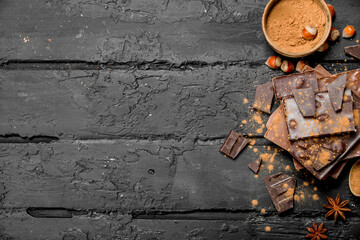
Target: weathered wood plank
(206, 180)
(203, 103)
(137, 176)
(18, 225)
(103, 174)
(128, 31)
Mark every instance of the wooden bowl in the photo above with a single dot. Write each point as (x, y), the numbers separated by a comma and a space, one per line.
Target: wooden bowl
(328, 23)
(356, 164)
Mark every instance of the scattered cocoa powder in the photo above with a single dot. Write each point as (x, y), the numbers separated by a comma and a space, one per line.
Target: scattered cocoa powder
(287, 19)
(355, 178)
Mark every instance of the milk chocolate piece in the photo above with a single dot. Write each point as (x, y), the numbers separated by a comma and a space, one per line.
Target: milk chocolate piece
(305, 100)
(327, 122)
(233, 144)
(353, 51)
(263, 97)
(281, 189)
(277, 131)
(284, 85)
(322, 71)
(336, 92)
(255, 165)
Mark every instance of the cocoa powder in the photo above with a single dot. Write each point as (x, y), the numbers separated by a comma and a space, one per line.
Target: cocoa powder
(355, 178)
(287, 19)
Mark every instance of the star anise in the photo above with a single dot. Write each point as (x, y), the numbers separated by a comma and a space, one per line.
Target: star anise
(317, 232)
(336, 207)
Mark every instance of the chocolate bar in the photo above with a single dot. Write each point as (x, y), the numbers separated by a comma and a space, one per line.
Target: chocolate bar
(255, 165)
(233, 144)
(336, 92)
(263, 97)
(277, 131)
(322, 71)
(352, 81)
(281, 189)
(327, 122)
(305, 99)
(353, 51)
(284, 85)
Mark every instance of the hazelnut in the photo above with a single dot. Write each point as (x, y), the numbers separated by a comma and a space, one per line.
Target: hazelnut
(324, 47)
(334, 34)
(299, 82)
(273, 62)
(300, 65)
(349, 31)
(292, 124)
(287, 66)
(309, 32)
(339, 147)
(323, 117)
(332, 10)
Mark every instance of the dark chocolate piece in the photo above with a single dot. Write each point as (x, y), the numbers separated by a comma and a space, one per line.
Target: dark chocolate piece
(255, 165)
(263, 97)
(352, 81)
(233, 144)
(284, 85)
(328, 122)
(353, 51)
(324, 158)
(281, 189)
(298, 165)
(336, 91)
(305, 100)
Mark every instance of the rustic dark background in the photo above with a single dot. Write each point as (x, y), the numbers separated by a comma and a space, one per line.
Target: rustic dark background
(112, 113)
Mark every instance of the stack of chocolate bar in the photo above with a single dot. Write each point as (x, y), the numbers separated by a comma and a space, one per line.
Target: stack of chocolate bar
(318, 119)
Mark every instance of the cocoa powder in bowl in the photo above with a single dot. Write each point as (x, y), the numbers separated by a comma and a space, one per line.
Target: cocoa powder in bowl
(287, 19)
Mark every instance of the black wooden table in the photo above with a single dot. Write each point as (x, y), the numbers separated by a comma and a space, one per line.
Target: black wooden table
(112, 113)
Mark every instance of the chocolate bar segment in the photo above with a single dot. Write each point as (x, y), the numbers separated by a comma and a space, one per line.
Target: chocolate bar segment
(277, 131)
(263, 97)
(305, 100)
(352, 81)
(281, 189)
(255, 165)
(284, 85)
(327, 122)
(353, 51)
(336, 92)
(233, 144)
(322, 71)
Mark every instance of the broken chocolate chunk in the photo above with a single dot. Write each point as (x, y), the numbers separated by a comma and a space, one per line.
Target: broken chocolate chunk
(255, 165)
(281, 189)
(322, 71)
(277, 131)
(328, 121)
(305, 100)
(336, 91)
(263, 97)
(284, 85)
(324, 157)
(353, 51)
(233, 144)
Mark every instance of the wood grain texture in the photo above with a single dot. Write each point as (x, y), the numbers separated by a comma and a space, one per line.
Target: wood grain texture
(18, 225)
(151, 176)
(138, 31)
(203, 103)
